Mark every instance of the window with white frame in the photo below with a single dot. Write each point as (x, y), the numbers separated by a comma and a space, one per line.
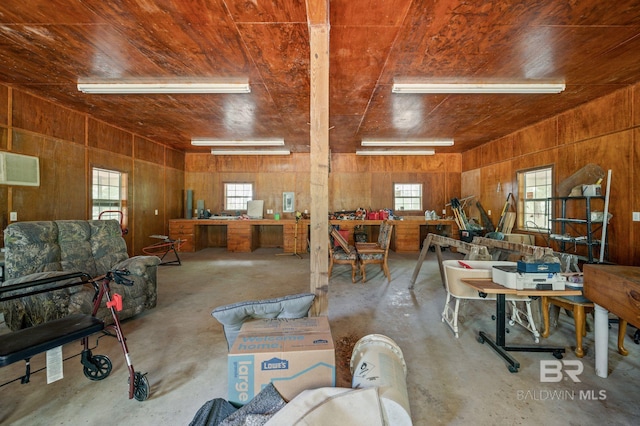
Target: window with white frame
(108, 194)
(236, 195)
(535, 186)
(407, 196)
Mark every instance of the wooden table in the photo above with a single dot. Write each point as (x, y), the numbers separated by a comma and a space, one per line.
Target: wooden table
(612, 288)
(487, 286)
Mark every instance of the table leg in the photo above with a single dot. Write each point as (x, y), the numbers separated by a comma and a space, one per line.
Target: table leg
(499, 344)
(622, 331)
(601, 320)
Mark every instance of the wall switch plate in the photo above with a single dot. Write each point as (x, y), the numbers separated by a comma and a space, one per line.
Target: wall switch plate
(156, 212)
(636, 216)
(13, 216)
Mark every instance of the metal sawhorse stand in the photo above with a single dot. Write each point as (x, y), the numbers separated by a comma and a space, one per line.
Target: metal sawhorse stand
(163, 248)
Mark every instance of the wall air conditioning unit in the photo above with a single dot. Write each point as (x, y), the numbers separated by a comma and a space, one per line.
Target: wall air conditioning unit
(17, 169)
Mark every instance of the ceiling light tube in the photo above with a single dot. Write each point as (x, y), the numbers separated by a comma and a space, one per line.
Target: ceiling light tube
(141, 88)
(431, 142)
(237, 143)
(395, 152)
(250, 152)
(525, 88)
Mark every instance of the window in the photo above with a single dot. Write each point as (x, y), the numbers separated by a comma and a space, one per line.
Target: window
(236, 195)
(109, 189)
(407, 196)
(534, 187)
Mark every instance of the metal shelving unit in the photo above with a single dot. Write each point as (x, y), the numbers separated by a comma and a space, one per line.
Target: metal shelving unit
(570, 232)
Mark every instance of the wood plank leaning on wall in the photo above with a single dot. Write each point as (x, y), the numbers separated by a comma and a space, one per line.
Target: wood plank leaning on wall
(318, 16)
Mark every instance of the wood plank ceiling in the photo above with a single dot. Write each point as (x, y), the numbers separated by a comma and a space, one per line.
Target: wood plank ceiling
(46, 46)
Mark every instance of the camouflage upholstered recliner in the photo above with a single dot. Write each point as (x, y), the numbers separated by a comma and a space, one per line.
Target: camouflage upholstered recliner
(36, 250)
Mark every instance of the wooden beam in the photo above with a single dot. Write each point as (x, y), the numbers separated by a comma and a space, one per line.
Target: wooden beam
(317, 13)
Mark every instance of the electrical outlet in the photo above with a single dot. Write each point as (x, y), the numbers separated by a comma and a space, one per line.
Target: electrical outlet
(13, 216)
(636, 216)
(489, 212)
(156, 212)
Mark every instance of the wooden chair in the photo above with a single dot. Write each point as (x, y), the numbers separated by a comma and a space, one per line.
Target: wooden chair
(342, 254)
(371, 253)
(579, 309)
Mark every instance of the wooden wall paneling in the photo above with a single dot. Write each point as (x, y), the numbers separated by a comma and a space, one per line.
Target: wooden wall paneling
(604, 115)
(381, 191)
(303, 191)
(174, 159)
(489, 196)
(270, 186)
(103, 136)
(4, 105)
(4, 138)
(635, 105)
(454, 189)
(148, 195)
(37, 115)
(615, 152)
(538, 137)
(453, 162)
(471, 159)
(146, 150)
(216, 235)
(498, 150)
(206, 186)
(434, 192)
(273, 236)
(174, 196)
(471, 185)
(348, 191)
(349, 163)
(63, 188)
(199, 163)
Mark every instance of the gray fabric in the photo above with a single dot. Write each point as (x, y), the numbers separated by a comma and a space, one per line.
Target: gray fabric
(259, 410)
(213, 412)
(233, 316)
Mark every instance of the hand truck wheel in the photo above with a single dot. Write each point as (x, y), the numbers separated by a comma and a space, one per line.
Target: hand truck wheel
(140, 386)
(99, 369)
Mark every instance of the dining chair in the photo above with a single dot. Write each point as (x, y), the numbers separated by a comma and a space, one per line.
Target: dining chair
(343, 253)
(377, 252)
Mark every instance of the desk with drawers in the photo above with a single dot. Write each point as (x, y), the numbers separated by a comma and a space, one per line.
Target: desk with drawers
(248, 235)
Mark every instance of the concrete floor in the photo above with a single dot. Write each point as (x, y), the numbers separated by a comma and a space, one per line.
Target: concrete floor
(451, 381)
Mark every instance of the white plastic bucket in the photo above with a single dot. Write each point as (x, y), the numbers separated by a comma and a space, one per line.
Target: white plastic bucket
(377, 361)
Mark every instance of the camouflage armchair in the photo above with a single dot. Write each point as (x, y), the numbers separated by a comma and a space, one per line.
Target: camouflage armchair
(35, 250)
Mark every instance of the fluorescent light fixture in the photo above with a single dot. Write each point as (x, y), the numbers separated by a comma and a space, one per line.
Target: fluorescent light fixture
(236, 143)
(115, 88)
(430, 142)
(395, 152)
(250, 152)
(478, 88)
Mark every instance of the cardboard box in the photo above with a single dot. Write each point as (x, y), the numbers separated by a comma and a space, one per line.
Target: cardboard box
(293, 354)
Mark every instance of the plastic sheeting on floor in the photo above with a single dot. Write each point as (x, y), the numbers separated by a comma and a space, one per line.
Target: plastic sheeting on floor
(324, 405)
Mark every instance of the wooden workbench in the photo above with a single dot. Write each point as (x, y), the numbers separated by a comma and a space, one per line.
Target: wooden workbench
(247, 235)
(616, 289)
